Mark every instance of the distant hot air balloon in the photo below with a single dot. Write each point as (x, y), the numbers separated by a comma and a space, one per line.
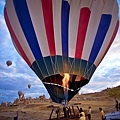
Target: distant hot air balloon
(9, 63)
(63, 41)
(29, 85)
(20, 94)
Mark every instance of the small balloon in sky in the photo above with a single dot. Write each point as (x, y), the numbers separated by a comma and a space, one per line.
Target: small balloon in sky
(20, 94)
(29, 86)
(9, 63)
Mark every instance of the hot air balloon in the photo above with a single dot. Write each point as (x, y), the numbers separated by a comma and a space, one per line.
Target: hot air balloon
(63, 41)
(20, 94)
(29, 85)
(9, 63)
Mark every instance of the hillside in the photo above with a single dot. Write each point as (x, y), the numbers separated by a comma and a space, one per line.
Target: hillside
(39, 109)
(103, 95)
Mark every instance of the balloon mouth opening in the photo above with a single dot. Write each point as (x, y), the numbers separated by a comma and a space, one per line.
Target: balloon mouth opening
(64, 84)
(66, 81)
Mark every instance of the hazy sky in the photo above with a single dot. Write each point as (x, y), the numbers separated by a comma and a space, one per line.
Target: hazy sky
(19, 75)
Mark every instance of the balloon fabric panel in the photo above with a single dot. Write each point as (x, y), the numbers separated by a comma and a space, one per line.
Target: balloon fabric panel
(64, 26)
(27, 26)
(101, 33)
(111, 41)
(48, 18)
(15, 39)
(82, 28)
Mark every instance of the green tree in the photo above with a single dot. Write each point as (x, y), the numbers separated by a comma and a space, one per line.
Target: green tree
(114, 92)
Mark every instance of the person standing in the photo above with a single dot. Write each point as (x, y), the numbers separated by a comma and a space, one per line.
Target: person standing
(117, 105)
(81, 117)
(65, 112)
(16, 118)
(102, 114)
(89, 113)
(82, 114)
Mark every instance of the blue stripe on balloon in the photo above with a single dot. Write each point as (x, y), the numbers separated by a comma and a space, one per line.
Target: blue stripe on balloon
(27, 26)
(100, 36)
(64, 26)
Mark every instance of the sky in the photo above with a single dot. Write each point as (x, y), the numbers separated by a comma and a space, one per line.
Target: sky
(17, 76)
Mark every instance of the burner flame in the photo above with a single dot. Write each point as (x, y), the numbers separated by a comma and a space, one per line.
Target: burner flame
(65, 84)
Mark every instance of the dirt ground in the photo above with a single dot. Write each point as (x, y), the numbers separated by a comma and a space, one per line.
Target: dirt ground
(42, 110)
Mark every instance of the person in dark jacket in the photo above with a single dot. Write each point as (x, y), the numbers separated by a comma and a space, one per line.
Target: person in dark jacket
(16, 118)
(117, 105)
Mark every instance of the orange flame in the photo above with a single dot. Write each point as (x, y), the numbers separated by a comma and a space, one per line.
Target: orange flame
(65, 84)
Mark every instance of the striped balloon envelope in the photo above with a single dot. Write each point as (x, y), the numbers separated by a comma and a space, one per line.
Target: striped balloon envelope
(63, 41)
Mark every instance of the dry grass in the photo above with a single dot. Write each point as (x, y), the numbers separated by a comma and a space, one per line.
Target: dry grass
(42, 110)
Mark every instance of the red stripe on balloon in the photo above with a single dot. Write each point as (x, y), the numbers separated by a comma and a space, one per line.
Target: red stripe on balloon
(111, 41)
(14, 38)
(82, 28)
(48, 20)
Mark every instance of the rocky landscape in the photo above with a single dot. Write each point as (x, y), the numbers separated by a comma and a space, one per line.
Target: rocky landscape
(40, 108)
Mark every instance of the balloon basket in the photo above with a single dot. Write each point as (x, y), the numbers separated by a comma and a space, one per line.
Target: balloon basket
(65, 112)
